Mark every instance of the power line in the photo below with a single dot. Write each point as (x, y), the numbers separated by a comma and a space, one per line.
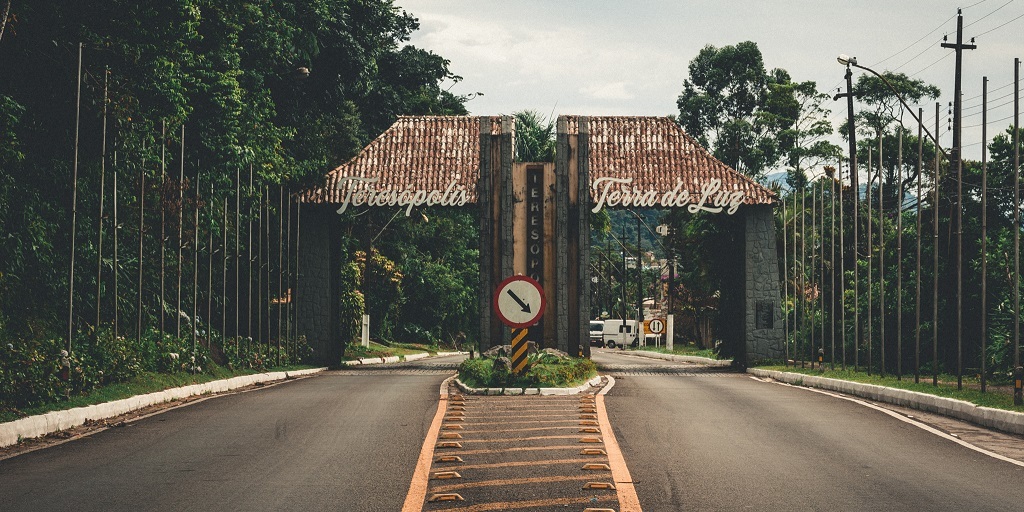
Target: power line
(989, 14)
(932, 31)
(940, 59)
(1000, 26)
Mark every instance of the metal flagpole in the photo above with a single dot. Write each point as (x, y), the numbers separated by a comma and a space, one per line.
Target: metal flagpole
(867, 194)
(74, 204)
(935, 261)
(181, 221)
(881, 258)
(917, 302)
(99, 219)
(899, 255)
(785, 280)
(984, 226)
(842, 266)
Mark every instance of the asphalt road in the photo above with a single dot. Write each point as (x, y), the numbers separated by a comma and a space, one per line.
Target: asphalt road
(698, 440)
(340, 441)
(693, 439)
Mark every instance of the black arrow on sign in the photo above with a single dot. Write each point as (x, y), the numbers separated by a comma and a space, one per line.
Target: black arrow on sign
(525, 306)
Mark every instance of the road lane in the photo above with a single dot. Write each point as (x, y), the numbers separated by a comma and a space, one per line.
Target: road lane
(728, 442)
(341, 440)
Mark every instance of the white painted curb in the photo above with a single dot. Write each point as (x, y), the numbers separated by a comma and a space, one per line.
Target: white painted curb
(528, 391)
(34, 426)
(1007, 421)
(680, 359)
(397, 359)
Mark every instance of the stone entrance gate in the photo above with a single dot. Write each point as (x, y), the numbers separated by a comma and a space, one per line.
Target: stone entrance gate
(534, 218)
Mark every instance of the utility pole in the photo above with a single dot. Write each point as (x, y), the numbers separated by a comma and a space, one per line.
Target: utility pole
(855, 188)
(959, 47)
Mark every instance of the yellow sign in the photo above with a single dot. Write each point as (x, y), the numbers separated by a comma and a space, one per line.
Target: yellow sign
(654, 326)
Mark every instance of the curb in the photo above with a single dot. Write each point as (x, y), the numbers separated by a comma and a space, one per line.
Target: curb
(999, 419)
(681, 359)
(530, 391)
(397, 359)
(13, 432)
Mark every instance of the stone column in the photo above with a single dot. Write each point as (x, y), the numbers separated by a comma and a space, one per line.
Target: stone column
(316, 301)
(763, 319)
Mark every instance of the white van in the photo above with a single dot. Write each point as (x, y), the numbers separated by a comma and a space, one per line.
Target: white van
(620, 332)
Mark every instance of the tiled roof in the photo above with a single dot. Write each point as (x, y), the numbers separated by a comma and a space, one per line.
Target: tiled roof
(431, 152)
(655, 151)
(422, 153)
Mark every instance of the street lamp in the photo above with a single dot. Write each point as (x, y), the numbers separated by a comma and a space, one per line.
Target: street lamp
(848, 61)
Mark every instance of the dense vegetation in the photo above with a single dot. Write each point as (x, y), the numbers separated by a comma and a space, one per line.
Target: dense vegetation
(201, 117)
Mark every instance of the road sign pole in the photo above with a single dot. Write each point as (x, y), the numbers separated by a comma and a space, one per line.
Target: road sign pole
(519, 350)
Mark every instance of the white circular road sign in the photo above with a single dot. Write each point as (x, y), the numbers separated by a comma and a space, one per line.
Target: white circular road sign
(656, 326)
(519, 301)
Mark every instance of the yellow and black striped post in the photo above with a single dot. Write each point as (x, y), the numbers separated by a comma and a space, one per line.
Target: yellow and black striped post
(519, 351)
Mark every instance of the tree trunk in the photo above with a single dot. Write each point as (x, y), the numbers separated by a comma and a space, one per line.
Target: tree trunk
(3, 19)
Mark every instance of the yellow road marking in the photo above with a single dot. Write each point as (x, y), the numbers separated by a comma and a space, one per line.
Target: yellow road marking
(519, 449)
(628, 500)
(511, 481)
(421, 476)
(524, 463)
(512, 505)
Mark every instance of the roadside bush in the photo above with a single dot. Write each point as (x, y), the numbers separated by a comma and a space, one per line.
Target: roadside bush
(38, 371)
(543, 370)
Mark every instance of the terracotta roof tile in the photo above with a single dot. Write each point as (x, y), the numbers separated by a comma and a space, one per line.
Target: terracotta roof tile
(655, 151)
(430, 152)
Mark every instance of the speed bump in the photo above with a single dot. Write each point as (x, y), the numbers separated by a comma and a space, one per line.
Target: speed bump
(446, 497)
(445, 475)
(448, 458)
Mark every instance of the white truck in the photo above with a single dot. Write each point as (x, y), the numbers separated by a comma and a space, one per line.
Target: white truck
(620, 333)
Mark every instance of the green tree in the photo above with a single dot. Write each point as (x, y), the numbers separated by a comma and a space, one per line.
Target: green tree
(738, 109)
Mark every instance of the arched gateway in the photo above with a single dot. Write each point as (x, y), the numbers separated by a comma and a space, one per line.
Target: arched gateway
(534, 217)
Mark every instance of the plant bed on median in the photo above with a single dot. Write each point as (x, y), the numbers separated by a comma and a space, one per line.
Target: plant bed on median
(543, 370)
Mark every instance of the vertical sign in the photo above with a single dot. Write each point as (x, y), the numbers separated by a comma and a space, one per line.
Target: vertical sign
(535, 235)
(535, 223)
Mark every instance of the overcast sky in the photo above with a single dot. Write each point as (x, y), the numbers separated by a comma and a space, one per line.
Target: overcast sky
(601, 57)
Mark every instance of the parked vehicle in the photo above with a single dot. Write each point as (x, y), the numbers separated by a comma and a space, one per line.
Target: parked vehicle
(597, 333)
(619, 333)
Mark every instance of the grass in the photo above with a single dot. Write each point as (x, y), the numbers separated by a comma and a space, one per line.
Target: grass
(147, 382)
(683, 350)
(995, 397)
(356, 351)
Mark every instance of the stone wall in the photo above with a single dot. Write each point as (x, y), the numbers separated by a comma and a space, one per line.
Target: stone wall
(762, 295)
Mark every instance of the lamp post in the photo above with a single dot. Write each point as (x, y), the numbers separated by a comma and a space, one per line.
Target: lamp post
(850, 62)
(854, 184)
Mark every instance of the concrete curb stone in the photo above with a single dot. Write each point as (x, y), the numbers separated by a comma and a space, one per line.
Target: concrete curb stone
(681, 359)
(528, 391)
(13, 432)
(999, 419)
(398, 359)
